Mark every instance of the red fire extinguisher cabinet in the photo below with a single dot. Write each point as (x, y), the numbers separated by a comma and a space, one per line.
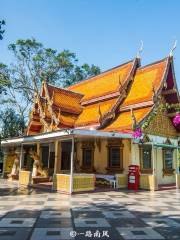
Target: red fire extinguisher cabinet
(133, 177)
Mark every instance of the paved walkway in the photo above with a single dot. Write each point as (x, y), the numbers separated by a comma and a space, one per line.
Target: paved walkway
(38, 215)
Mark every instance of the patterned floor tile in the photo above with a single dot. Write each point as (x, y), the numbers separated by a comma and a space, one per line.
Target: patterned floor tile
(139, 233)
(91, 222)
(55, 214)
(87, 214)
(54, 223)
(17, 222)
(118, 214)
(127, 222)
(124, 214)
(23, 214)
(14, 233)
(161, 222)
(51, 234)
(169, 232)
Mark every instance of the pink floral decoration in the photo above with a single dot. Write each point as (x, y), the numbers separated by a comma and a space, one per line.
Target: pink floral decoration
(176, 119)
(137, 133)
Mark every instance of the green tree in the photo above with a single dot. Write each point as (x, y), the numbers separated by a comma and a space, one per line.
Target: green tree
(34, 63)
(2, 23)
(12, 124)
(4, 78)
(3, 71)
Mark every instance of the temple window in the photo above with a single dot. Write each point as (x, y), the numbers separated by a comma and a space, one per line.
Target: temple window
(168, 158)
(88, 155)
(115, 156)
(146, 158)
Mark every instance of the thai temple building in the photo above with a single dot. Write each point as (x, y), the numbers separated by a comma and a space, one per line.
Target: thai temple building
(84, 137)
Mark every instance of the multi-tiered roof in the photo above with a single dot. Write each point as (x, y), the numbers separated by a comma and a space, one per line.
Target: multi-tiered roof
(105, 102)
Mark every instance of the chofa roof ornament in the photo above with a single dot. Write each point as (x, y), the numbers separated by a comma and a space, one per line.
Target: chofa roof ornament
(140, 50)
(100, 114)
(173, 48)
(134, 122)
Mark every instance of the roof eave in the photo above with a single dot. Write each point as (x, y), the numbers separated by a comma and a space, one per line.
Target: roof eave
(61, 134)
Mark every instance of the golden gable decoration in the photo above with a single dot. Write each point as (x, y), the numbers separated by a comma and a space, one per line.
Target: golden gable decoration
(161, 125)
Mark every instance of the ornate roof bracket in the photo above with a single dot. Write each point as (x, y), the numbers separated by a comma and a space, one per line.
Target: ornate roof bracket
(42, 113)
(100, 115)
(155, 95)
(50, 103)
(123, 89)
(134, 121)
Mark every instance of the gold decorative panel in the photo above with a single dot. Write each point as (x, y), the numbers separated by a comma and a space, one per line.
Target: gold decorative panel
(122, 180)
(61, 182)
(83, 182)
(161, 125)
(25, 178)
(148, 182)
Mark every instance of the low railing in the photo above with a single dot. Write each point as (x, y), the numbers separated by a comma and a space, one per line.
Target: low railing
(178, 180)
(148, 182)
(25, 178)
(81, 182)
(121, 180)
(61, 182)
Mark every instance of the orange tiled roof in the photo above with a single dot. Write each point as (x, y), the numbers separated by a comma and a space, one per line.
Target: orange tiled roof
(90, 113)
(75, 108)
(68, 120)
(124, 120)
(146, 78)
(65, 99)
(103, 84)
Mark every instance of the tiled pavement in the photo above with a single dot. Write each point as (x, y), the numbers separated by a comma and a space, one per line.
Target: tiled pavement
(39, 215)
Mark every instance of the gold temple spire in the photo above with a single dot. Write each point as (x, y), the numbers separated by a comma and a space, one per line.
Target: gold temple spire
(140, 50)
(173, 48)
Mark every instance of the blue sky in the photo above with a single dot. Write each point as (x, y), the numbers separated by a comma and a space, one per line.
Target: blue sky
(103, 32)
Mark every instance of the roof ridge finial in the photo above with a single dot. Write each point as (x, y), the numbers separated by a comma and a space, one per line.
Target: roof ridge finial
(140, 49)
(173, 48)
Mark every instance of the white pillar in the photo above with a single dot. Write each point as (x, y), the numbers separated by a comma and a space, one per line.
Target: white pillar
(153, 159)
(177, 168)
(21, 157)
(71, 170)
(177, 161)
(49, 153)
(5, 153)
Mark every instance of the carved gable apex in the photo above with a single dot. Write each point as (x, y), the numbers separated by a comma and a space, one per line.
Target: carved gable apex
(161, 125)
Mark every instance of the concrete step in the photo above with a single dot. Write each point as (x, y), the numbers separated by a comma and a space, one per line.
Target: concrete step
(166, 186)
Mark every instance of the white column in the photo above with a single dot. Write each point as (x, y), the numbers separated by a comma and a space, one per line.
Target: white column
(177, 168)
(153, 159)
(71, 170)
(21, 157)
(49, 154)
(177, 161)
(5, 153)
